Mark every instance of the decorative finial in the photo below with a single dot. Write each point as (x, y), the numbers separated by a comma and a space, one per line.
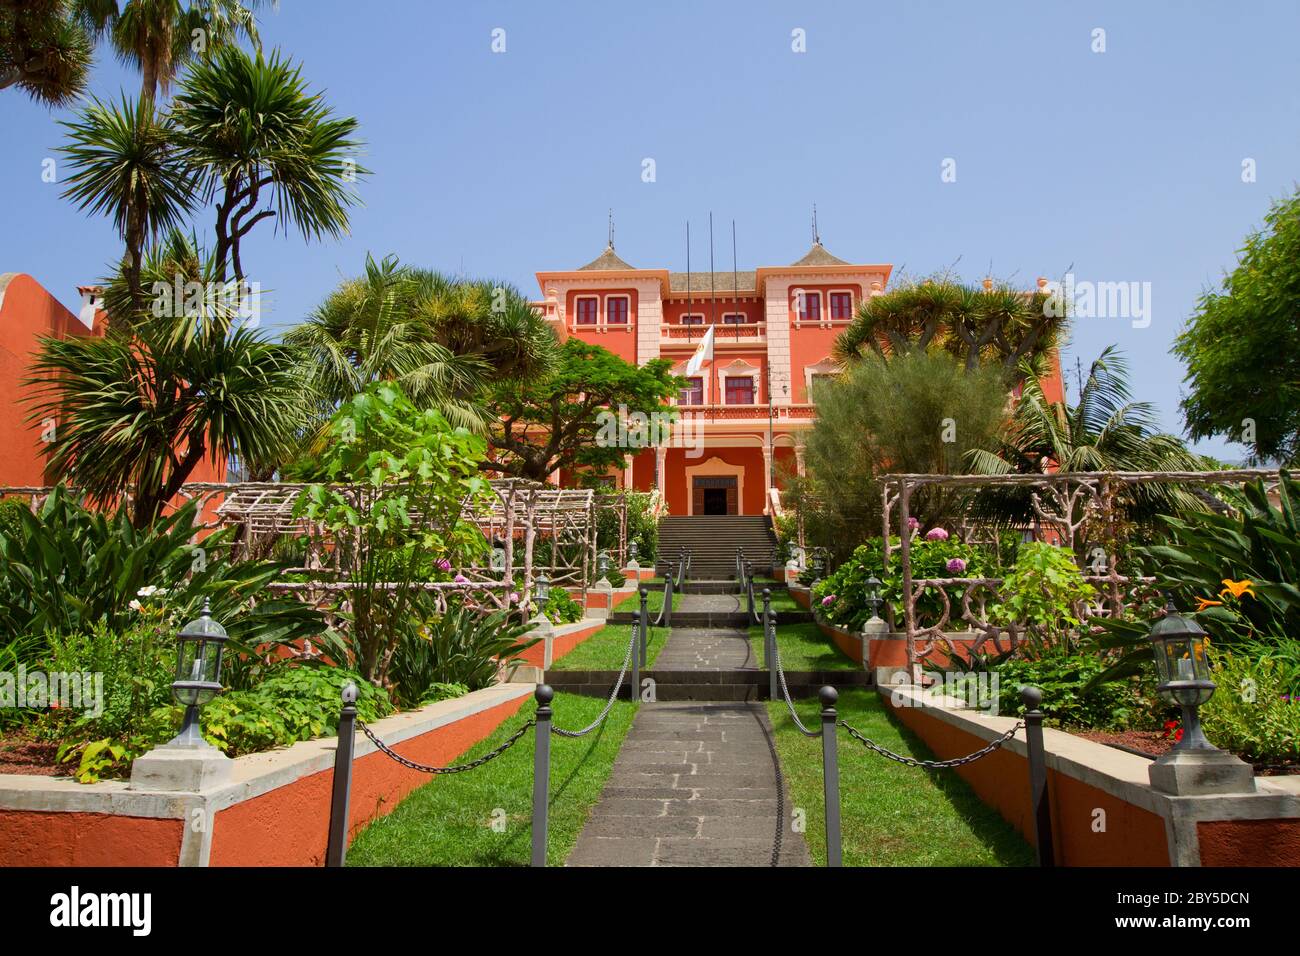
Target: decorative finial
(817, 239)
(611, 228)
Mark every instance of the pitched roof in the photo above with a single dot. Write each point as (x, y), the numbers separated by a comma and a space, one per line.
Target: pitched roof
(607, 261)
(818, 256)
(723, 282)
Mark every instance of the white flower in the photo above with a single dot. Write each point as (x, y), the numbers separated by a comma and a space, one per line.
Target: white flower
(136, 606)
(147, 591)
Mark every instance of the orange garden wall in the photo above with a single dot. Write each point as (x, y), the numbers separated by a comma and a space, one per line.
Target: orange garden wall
(290, 825)
(1104, 810)
(274, 812)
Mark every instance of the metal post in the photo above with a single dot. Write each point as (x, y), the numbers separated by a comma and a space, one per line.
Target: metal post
(541, 773)
(336, 849)
(645, 626)
(1039, 805)
(666, 615)
(769, 643)
(638, 632)
(831, 776)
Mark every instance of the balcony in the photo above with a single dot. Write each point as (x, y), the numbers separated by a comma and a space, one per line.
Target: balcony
(749, 333)
(755, 413)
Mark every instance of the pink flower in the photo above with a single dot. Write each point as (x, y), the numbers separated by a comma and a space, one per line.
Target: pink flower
(442, 564)
(956, 566)
(913, 524)
(936, 534)
(460, 579)
(514, 597)
(828, 599)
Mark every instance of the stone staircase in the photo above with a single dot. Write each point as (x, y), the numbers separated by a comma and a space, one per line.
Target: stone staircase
(712, 541)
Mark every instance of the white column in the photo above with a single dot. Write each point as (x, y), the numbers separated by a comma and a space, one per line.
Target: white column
(767, 476)
(661, 457)
(798, 459)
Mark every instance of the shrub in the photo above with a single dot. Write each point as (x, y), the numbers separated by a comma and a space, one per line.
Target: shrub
(1041, 592)
(462, 646)
(1068, 699)
(562, 609)
(69, 569)
(1255, 712)
(298, 703)
(930, 559)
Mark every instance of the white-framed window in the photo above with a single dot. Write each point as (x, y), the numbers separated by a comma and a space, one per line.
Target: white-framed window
(586, 310)
(807, 306)
(618, 309)
(840, 305)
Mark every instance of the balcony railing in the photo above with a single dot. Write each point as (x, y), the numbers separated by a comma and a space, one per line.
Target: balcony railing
(722, 331)
(754, 412)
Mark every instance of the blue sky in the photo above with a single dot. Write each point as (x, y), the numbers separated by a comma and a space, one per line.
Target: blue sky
(1122, 166)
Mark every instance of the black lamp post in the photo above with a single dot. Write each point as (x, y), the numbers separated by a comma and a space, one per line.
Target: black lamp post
(873, 595)
(1194, 766)
(1178, 643)
(543, 588)
(631, 551)
(198, 672)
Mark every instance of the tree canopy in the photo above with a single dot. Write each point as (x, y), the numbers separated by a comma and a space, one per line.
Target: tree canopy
(556, 421)
(999, 326)
(1242, 346)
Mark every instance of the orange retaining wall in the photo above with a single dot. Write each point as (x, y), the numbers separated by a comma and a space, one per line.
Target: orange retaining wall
(289, 826)
(38, 838)
(1133, 836)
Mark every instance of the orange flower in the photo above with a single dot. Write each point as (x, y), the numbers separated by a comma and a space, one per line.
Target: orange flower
(1237, 588)
(1203, 603)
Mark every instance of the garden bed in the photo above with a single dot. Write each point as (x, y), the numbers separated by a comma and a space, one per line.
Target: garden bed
(21, 753)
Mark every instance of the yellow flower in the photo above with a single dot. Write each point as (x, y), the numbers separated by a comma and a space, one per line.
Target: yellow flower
(1237, 588)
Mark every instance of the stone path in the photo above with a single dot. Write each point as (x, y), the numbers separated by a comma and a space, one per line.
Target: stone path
(695, 784)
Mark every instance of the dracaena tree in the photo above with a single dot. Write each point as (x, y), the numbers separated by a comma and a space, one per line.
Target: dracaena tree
(159, 37)
(45, 49)
(998, 326)
(180, 378)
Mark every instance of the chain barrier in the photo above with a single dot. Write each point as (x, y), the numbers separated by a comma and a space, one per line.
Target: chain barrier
(425, 768)
(785, 691)
(932, 764)
(613, 695)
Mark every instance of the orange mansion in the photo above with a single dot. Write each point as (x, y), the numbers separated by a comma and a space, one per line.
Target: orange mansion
(774, 329)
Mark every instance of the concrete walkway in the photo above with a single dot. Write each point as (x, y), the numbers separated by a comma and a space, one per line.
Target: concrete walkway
(696, 783)
(710, 649)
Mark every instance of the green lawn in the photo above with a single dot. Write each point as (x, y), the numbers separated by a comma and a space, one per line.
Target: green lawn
(605, 650)
(654, 600)
(891, 815)
(781, 600)
(449, 822)
(803, 648)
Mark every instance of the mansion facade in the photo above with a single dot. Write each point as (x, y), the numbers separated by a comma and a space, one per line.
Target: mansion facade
(744, 411)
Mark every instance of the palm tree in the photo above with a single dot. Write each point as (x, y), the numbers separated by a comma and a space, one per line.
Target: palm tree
(265, 147)
(44, 50)
(126, 165)
(442, 339)
(1103, 431)
(158, 37)
(139, 409)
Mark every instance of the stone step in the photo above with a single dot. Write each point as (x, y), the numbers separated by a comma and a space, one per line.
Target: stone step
(732, 685)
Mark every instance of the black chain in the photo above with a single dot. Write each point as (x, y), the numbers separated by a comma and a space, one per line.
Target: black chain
(424, 768)
(933, 764)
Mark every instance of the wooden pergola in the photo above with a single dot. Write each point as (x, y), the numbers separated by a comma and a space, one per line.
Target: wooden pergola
(1063, 502)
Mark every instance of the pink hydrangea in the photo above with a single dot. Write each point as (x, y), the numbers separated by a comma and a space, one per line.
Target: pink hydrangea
(514, 597)
(460, 579)
(936, 534)
(828, 600)
(956, 566)
(913, 524)
(442, 564)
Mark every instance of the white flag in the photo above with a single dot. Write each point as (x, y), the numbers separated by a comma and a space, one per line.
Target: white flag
(702, 354)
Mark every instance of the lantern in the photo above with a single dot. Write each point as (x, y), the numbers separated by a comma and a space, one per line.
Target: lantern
(1179, 645)
(200, 645)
